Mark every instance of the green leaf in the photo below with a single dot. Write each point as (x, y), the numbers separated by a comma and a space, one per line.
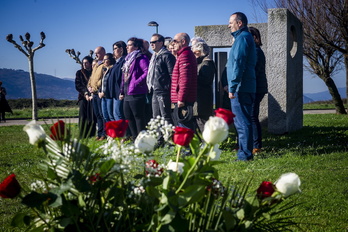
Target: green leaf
(241, 214)
(65, 222)
(166, 182)
(152, 191)
(57, 202)
(195, 145)
(106, 166)
(230, 220)
(191, 194)
(168, 217)
(82, 202)
(51, 174)
(80, 182)
(35, 199)
(20, 219)
(266, 215)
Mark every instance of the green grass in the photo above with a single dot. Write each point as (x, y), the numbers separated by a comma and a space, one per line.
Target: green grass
(317, 153)
(50, 112)
(322, 105)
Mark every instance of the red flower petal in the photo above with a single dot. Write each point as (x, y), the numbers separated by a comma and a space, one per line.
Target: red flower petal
(266, 189)
(182, 136)
(10, 187)
(116, 129)
(225, 114)
(58, 130)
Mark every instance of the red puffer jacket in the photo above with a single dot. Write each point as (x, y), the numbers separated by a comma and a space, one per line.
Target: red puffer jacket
(184, 77)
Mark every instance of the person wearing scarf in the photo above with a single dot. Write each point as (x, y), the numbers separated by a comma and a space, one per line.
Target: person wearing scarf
(134, 87)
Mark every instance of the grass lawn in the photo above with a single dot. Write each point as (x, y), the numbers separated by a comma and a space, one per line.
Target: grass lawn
(317, 153)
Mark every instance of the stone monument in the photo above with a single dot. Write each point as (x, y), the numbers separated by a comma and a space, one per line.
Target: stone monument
(282, 108)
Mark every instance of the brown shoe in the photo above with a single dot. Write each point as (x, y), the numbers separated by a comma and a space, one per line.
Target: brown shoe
(101, 138)
(256, 150)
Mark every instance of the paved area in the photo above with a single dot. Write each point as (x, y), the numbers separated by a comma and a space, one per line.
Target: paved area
(12, 122)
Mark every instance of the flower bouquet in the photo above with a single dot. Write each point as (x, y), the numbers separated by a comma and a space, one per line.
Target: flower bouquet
(145, 185)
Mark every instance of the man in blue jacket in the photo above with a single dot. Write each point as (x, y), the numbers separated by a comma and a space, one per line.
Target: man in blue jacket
(242, 82)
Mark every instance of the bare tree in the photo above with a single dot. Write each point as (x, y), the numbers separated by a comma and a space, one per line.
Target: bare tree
(76, 56)
(325, 59)
(29, 53)
(337, 16)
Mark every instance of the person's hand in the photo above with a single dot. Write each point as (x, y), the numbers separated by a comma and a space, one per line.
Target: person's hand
(87, 97)
(90, 89)
(231, 96)
(101, 94)
(90, 98)
(180, 104)
(121, 97)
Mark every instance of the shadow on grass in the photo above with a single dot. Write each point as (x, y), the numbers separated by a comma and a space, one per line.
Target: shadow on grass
(307, 141)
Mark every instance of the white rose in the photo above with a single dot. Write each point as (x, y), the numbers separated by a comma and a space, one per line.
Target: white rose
(175, 167)
(288, 183)
(215, 153)
(35, 132)
(215, 130)
(145, 142)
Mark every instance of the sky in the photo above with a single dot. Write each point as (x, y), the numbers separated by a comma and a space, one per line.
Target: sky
(86, 24)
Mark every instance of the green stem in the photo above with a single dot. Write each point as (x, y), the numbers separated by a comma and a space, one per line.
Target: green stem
(190, 171)
(177, 157)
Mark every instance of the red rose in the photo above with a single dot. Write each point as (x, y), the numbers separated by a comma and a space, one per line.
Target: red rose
(226, 115)
(182, 136)
(116, 129)
(58, 130)
(266, 189)
(10, 187)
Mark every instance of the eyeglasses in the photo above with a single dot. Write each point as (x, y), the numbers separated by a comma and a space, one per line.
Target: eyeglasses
(176, 41)
(153, 42)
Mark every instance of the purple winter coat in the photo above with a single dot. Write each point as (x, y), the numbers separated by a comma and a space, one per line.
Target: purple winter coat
(137, 79)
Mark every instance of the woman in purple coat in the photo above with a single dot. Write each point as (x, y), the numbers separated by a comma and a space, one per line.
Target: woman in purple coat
(134, 87)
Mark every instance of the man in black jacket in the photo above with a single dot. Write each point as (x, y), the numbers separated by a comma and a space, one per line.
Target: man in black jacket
(159, 78)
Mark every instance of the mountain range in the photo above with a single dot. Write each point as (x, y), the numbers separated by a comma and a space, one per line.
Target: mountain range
(17, 84)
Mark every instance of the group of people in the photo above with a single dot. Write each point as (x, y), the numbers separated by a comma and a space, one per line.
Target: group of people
(174, 82)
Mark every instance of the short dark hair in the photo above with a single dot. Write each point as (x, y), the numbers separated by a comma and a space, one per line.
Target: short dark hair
(137, 42)
(121, 44)
(241, 17)
(255, 32)
(159, 36)
(111, 58)
(88, 58)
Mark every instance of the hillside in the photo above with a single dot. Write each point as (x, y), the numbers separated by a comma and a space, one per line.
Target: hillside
(17, 84)
(325, 95)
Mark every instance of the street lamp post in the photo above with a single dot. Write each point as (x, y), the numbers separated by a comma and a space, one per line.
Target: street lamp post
(153, 24)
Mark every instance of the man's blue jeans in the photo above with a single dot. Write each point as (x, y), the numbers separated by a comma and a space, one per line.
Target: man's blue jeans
(118, 109)
(107, 105)
(242, 108)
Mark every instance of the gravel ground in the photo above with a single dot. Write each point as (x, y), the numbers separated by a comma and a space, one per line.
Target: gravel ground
(11, 122)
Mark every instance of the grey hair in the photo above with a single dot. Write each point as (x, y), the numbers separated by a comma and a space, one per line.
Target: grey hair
(203, 47)
(197, 39)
